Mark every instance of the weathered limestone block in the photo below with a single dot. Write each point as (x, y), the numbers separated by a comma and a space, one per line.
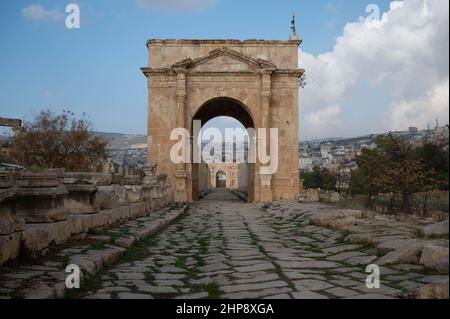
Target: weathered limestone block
(6, 180)
(131, 180)
(112, 196)
(45, 179)
(134, 194)
(329, 196)
(435, 257)
(437, 290)
(10, 225)
(409, 253)
(81, 199)
(138, 210)
(86, 264)
(97, 179)
(37, 237)
(9, 246)
(9, 222)
(312, 195)
(391, 245)
(41, 205)
(40, 197)
(437, 229)
(337, 220)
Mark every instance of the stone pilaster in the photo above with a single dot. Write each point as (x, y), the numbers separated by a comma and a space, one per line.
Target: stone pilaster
(180, 194)
(265, 179)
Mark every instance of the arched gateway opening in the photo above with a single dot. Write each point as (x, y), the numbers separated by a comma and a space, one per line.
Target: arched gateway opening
(202, 180)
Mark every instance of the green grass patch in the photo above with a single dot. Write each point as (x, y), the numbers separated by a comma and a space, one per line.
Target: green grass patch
(180, 262)
(149, 277)
(213, 290)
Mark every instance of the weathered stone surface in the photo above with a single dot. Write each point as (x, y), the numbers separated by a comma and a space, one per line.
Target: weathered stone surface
(37, 237)
(9, 246)
(99, 179)
(337, 220)
(311, 285)
(439, 290)
(409, 253)
(107, 198)
(438, 229)
(312, 195)
(330, 197)
(45, 179)
(342, 292)
(305, 294)
(131, 180)
(371, 296)
(128, 295)
(391, 245)
(134, 194)
(435, 257)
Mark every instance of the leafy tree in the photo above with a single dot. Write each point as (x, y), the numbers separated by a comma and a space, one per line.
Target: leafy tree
(395, 167)
(435, 160)
(318, 178)
(58, 141)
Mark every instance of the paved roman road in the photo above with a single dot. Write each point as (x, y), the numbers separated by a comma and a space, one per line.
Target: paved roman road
(226, 248)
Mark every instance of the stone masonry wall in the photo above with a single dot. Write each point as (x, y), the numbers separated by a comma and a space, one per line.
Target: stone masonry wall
(38, 210)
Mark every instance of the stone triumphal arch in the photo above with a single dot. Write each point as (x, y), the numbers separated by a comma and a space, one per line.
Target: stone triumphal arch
(253, 81)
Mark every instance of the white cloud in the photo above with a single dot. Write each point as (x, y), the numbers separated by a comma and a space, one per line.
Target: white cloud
(324, 116)
(176, 5)
(38, 12)
(406, 51)
(433, 104)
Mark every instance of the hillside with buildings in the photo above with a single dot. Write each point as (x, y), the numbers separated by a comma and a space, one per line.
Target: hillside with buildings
(340, 154)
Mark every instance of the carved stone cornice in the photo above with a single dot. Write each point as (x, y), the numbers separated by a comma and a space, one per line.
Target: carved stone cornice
(254, 63)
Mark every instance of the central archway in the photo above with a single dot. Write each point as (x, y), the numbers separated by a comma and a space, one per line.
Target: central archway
(218, 107)
(221, 179)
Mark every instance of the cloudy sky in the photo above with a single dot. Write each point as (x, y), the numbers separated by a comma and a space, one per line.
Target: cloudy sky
(365, 73)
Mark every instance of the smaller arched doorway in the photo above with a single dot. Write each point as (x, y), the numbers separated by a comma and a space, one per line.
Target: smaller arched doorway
(221, 179)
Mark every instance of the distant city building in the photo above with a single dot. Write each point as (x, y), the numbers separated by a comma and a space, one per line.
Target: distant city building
(413, 130)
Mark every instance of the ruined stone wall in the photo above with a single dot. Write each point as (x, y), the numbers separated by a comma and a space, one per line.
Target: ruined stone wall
(38, 210)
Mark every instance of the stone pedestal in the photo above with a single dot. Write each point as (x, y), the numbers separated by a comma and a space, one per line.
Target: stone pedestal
(180, 194)
(266, 188)
(40, 202)
(40, 198)
(81, 199)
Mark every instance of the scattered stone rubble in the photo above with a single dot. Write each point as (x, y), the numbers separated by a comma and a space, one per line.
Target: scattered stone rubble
(406, 240)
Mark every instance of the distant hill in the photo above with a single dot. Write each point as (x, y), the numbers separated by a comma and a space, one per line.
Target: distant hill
(122, 141)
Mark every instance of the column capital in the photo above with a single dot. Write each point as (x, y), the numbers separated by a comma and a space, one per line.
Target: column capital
(267, 71)
(180, 72)
(181, 96)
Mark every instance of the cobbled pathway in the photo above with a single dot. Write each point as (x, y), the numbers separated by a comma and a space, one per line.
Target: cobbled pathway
(226, 248)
